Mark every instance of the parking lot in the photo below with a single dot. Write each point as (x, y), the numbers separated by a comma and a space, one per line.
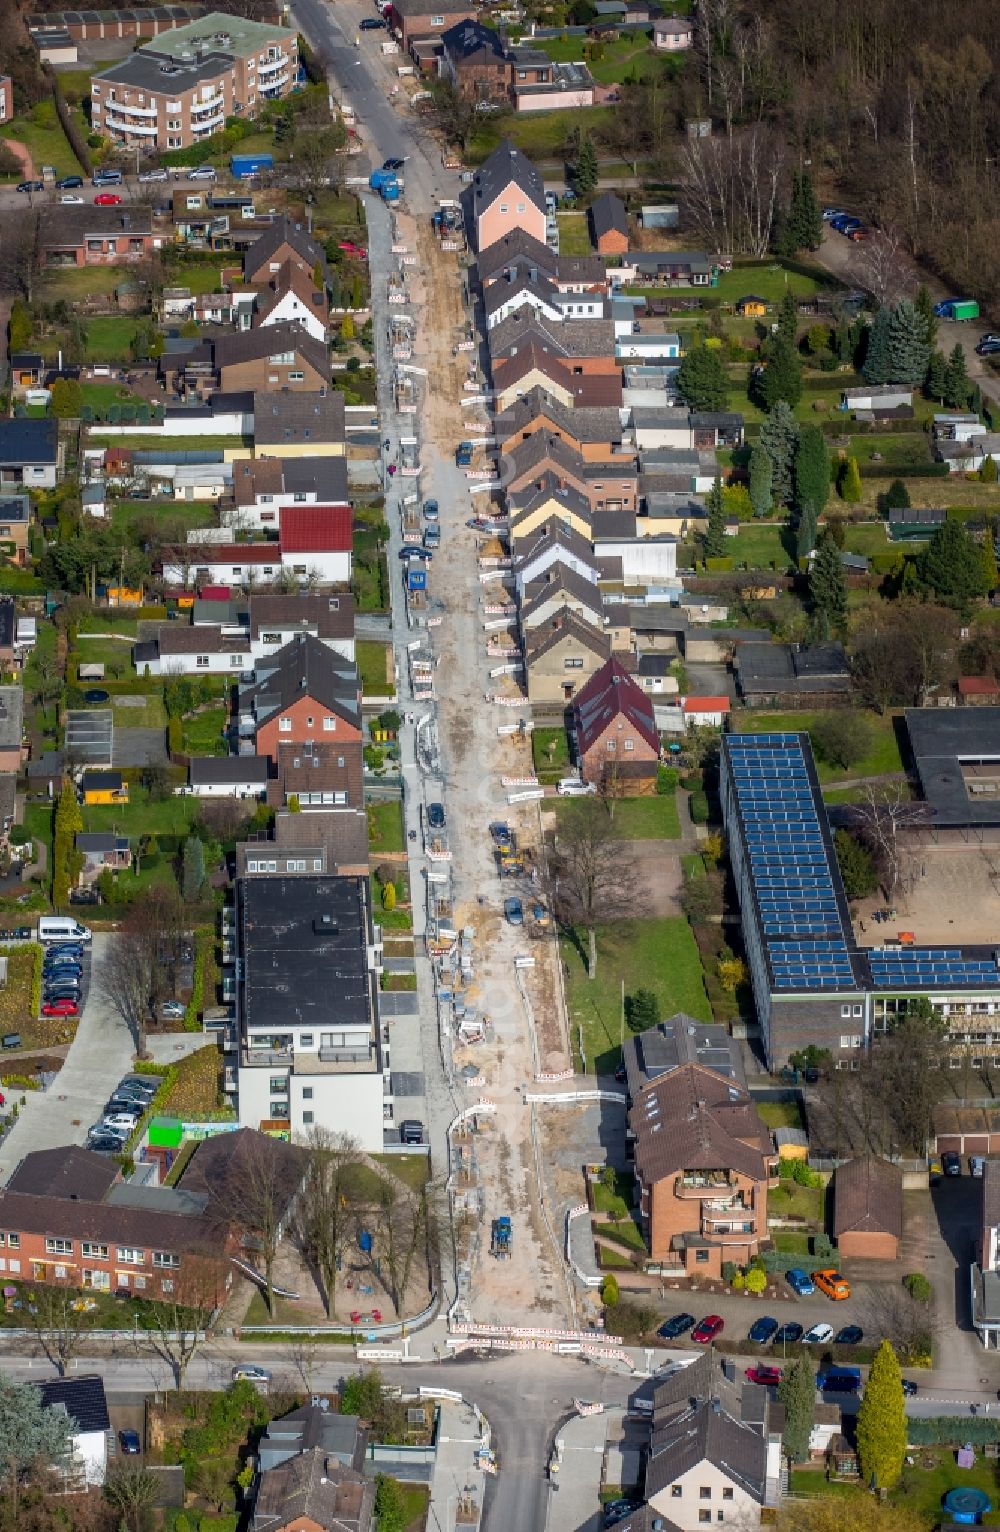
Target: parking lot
(99, 1055)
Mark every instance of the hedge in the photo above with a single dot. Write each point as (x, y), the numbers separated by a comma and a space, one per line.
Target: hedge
(951, 1430)
(204, 941)
(65, 116)
(720, 565)
(903, 470)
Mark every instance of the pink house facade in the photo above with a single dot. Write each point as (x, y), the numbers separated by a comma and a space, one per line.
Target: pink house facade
(507, 194)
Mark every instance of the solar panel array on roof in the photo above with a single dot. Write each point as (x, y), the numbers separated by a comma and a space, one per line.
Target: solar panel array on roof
(931, 967)
(800, 915)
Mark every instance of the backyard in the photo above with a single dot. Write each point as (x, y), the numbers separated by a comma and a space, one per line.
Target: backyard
(375, 668)
(659, 955)
(143, 815)
(385, 826)
(654, 818)
(41, 134)
(920, 1491)
(881, 758)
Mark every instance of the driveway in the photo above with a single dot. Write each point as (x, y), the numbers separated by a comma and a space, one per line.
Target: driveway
(99, 1055)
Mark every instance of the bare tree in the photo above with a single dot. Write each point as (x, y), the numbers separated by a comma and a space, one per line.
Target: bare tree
(881, 268)
(326, 1213)
(132, 1491)
(407, 1220)
(890, 1312)
(732, 189)
(177, 1321)
(881, 820)
(585, 872)
(60, 1324)
(257, 1200)
(902, 1078)
(140, 965)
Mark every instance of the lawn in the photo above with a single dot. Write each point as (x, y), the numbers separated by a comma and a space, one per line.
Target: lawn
(374, 665)
(920, 1491)
(540, 135)
(550, 754)
(882, 757)
(385, 827)
(127, 515)
(203, 732)
(780, 1114)
(114, 654)
(195, 1088)
(618, 1200)
(660, 955)
(109, 338)
(151, 715)
(199, 275)
(770, 280)
(574, 234)
(608, 62)
(903, 449)
(415, 1500)
(789, 1200)
(414, 1169)
(142, 816)
(42, 135)
(74, 282)
(653, 818)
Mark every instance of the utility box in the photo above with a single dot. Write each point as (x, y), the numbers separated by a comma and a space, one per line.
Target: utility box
(243, 165)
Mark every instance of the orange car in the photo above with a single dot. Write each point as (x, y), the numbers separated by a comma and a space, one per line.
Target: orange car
(831, 1283)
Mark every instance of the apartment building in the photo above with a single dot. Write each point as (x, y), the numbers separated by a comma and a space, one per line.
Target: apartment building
(310, 1053)
(6, 98)
(183, 85)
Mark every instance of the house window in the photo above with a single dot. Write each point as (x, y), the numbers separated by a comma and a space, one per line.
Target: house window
(296, 377)
(845, 1041)
(279, 1085)
(437, 21)
(845, 1010)
(329, 724)
(572, 664)
(630, 744)
(859, 1010)
(701, 1257)
(201, 661)
(14, 1241)
(94, 1252)
(99, 1279)
(140, 1283)
(166, 1286)
(705, 1492)
(279, 1109)
(129, 1256)
(58, 1247)
(165, 1258)
(307, 1092)
(676, 1491)
(520, 207)
(703, 1517)
(307, 1118)
(612, 746)
(285, 725)
(306, 1040)
(309, 723)
(174, 143)
(503, 207)
(728, 1494)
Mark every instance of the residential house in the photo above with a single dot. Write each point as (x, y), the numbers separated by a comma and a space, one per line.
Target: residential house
(284, 242)
(185, 649)
(103, 787)
(228, 776)
(678, 1041)
(703, 1162)
(506, 193)
(792, 675)
(27, 368)
(100, 852)
(518, 254)
(583, 345)
(45, 773)
(536, 367)
(276, 619)
(304, 844)
(242, 565)
(282, 357)
(609, 230)
(312, 1493)
(304, 692)
(560, 655)
(82, 1399)
(868, 1208)
(15, 519)
(474, 59)
(69, 1219)
(672, 34)
(615, 739)
(320, 775)
(506, 297)
(30, 453)
(12, 748)
(968, 456)
(421, 20)
(549, 500)
(316, 542)
(555, 544)
(610, 485)
(299, 425)
(183, 86)
(976, 691)
(633, 552)
(705, 712)
(560, 587)
(670, 268)
(293, 297)
(96, 236)
(261, 486)
(313, 1427)
(539, 85)
(596, 434)
(714, 1449)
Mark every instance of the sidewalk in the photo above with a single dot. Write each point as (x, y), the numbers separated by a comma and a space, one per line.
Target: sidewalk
(458, 1480)
(574, 1501)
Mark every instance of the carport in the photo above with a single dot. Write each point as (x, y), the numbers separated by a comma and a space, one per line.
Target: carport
(89, 737)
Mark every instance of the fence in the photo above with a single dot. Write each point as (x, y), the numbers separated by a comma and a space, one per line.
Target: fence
(389, 1329)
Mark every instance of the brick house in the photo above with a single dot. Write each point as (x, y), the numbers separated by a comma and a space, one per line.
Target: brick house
(868, 1208)
(277, 358)
(535, 367)
(312, 1492)
(292, 296)
(518, 254)
(607, 486)
(507, 193)
(284, 242)
(616, 735)
(595, 433)
(584, 346)
(538, 503)
(474, 59)
(609, 224)
(96, 236)
(703, 1164)
(306, 693)
(423, 19)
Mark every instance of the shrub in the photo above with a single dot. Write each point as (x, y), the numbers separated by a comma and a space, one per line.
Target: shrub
(739, 1282)
(729, 1270)
(918, 1287)
(389, 896)
(609, 1291)
(822, 1247)
(756, 1279)
(666, 780)
(698, 805)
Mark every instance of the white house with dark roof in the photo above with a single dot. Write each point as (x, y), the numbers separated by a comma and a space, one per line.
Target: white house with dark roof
(83, 1401)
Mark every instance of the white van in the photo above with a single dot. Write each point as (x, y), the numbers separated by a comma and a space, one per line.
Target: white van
(62, 928)
(574, 787)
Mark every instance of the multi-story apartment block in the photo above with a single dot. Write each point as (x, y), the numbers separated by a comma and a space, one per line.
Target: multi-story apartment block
(307, 1032)
(182, 86)
(6, 98)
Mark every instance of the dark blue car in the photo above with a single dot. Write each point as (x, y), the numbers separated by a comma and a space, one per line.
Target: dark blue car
(678, 1325)
(799, 1282)
(762, 1330)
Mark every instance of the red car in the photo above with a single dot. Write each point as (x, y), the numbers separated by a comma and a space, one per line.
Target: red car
(60, 1008)
(764, 1375)
(356, 252)
(107, 199)
(708, 1329)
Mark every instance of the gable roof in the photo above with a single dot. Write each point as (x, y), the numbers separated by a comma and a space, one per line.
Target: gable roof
(290, 279)
(868, 1197)
(324, 477)
(315, 1488)
(282, 231)
(554, 533)
(331, 616)
(469, 39)
(584, 423)
(565, 581)
(520, 251)
(607, 212)
(208, 770)
(547, 452)
(71, 1173)
(64, 226)
(561, 625)
(304, 667)
(695, 1119)
(608, 695)
(82, 1398)
(322, 767)
(265, 341)
(315, 528)
(524, 501)
(506, 164)
(28, 441)
(564, 337)
(220, 1166)
(286, 419)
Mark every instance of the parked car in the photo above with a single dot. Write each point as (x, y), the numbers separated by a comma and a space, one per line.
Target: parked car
(985, 347)
(104, 1143)
(353, 251)
(246, 1372)
(61, 992)
(839, 1380)
(60, 1008)
(818, 1335)
(678, 1324)
(126, 1120)
(850, 1335)
(788, 1334)
(173, 1010)
(150, 1083)
(859, 234)
(799, 1282)
(762, 1330)
(202, 173)
(830, 213)
(991, 335)
(69, 200)
(707, 1329)
(411, 1131)
(977, 1165)
(436, 816)
(394, 163)
(513, 911)
(952, 1163)
(130, 1443)
(574, 787)
(414, 551)
(31, 186)
(830, 1281)
(107, 199)
(117, 1136)
(617, 1510)
(20, 934)
(153, 175)
(935, 1171)
(767, 1377)
(372, 24)
(69, 183)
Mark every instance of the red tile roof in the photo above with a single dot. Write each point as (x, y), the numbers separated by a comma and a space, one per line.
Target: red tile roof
(706, 704)
(609, 694)
(977, 686)
(315, 528)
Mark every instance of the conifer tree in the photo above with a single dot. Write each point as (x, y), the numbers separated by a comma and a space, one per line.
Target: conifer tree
(881, 1429)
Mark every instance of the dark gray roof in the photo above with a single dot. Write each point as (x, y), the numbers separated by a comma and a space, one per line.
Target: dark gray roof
(584, 423)
(266, 340)
(11, 717)
(49, 764)
(100, 842)
(990, 1218)
(762, 666)
(284, 231)
(607, 212)
(941, 738)
(285, 419)
(313, 1425)
(83, 1400)
(680, 1040)
(144, 71)
(468, 39)
(28, 441)
(524, 502)
(506, 164)
(518, 251)
(206, 770)
(15, 508)
(560, 580)
(331, 616)
(705, 1413)
(58, 226)
(77, 1175)
(560, 625)
(304, 667)
(563, 337)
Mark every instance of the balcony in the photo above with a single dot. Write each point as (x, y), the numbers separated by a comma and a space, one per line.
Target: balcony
(203, 127)
(208, 104)
(252, 1057)
(272, 67)
(699, 1186)
(132, 111)
(270, 88)
(118, 125)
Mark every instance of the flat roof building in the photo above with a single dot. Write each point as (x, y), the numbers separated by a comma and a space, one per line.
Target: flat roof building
(307, 1007)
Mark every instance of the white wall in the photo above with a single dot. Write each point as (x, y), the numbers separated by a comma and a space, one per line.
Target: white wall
(222, 574)
(556, 100)
(741, 1511)
(291, 307)
(329, 568)
(548, 556)
(345, 1103)
(224, 790)
(91, 1447)
(181, 424)
(262, 651)
(221, 663)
